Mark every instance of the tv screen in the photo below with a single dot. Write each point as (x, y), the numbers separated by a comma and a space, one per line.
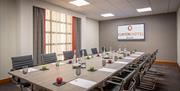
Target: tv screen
(131, 32)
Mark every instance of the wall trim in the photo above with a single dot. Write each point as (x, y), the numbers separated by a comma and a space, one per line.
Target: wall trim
(4, 81)
(158, 61)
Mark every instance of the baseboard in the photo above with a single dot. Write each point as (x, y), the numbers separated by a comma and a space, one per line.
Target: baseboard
(4, 81)
(165, 62)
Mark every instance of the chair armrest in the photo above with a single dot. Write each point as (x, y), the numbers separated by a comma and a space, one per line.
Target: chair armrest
(109, 81)
(131, 68)
(116, 77)
(12, 69)
(127, 70)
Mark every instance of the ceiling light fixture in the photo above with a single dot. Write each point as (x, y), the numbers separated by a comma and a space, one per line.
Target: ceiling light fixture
(79, 2)
(107, 15)
(147, 9)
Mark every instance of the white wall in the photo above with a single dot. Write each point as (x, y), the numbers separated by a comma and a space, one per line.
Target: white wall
(16, 25)
(178, 36)
(92, 35)
(9, 35)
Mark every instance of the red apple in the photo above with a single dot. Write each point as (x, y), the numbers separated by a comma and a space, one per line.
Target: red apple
(109, 61)
(70, 61)
(59, 80)
(98, 55)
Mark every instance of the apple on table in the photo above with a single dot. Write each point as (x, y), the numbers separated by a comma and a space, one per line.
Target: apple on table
(59, 80)
(70, 62)
(110, 61)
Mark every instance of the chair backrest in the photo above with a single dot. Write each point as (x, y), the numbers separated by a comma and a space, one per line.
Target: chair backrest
(130, 75)
(132, 85)
(49, 58)
(94, 50)
(81, 51)
(68, 55)
(128, 79)
(146, 66)
(127, 76)
(19, 62)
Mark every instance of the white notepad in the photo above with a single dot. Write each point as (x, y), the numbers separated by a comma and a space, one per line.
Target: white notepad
(136, 55)
(139, 52)
(59, 63)
(83, 83)
(107, 70)
(119, 62)
(129, 58)
(30, 70)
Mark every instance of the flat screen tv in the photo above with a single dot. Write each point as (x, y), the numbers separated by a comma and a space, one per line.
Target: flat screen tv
(131, 32)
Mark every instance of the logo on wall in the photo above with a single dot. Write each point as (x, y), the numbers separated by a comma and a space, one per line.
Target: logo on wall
(131, 32)
(129, 28)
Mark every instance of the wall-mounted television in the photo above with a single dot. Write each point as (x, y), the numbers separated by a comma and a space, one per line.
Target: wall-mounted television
(131, 32)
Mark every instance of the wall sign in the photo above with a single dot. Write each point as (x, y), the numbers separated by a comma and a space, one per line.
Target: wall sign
(131, 32)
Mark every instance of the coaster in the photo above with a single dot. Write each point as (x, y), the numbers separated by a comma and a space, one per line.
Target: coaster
(44, 69)
(92, 70)
(59, 84)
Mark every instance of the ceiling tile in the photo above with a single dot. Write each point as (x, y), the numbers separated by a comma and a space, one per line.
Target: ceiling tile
(174, 4)
(160, 5)
(121, 8)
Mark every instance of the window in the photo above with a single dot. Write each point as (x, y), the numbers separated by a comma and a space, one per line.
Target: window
(58, 33)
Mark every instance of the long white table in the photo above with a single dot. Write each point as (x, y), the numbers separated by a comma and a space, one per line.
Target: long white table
(45, 79)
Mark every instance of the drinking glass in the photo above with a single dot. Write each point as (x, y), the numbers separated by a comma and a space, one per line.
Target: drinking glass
(25, 69)
(103, 62)
(78, 71)
(83, 62)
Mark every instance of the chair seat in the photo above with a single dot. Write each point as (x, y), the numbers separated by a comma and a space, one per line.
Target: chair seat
(22, 82)
(123, 74)
(26, 84)
(114, 84)
(111, 87)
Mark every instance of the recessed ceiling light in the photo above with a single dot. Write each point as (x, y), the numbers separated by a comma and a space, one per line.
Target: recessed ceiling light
(147, 9)
(107, 15)
(79, 2)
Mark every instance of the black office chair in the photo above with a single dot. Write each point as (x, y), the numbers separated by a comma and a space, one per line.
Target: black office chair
(94, 50)
(49, 58)
(68, 55)
(121, 81)
(147, 81)
(83, 51)
(18, 63)
(138, 65)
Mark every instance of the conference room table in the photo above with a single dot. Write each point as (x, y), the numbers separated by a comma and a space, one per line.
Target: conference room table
(86, 81)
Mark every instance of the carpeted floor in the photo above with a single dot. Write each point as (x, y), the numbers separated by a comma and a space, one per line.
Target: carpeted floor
(169, 81)
(170, 78)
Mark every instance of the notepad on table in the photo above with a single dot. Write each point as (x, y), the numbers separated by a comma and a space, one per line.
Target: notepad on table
(59, 63)
(136, 55)
(129, 58)
(83, 83)
(107, 70)
(30, 69)
(119, 62)
(139, 53)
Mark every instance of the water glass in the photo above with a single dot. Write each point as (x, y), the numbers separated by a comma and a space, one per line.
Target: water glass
(103, 62)
(25, 69)
(78, 71)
